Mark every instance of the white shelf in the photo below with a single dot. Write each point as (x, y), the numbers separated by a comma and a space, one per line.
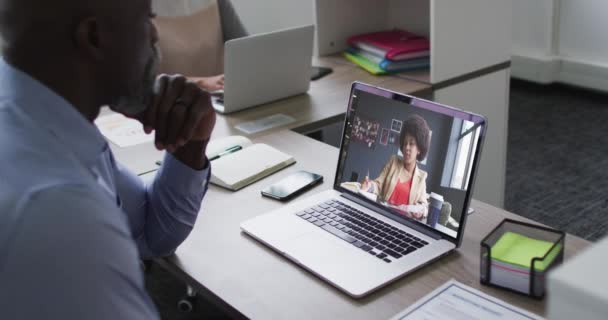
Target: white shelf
(466, 35)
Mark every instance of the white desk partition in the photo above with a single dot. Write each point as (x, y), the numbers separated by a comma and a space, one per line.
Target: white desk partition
(577, 289)
(465, 35)
(337, 20)
(486, 95)
(468, 35)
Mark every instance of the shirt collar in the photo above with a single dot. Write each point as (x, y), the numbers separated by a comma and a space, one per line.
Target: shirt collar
(52, 112)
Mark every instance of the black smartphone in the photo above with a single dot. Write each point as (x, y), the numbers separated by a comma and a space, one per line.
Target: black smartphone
(292, 185)
(319, 72)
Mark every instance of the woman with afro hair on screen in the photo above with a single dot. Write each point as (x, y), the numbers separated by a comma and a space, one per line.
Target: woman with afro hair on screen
(402, 184)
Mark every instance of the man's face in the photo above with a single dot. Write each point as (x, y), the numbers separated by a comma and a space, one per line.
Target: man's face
(137, 59)
(136, 101)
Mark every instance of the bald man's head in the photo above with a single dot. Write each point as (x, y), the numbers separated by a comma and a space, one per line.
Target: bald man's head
(23, 21)
(105, 48)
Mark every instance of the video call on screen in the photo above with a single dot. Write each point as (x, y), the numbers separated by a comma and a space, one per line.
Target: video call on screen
(373, 154)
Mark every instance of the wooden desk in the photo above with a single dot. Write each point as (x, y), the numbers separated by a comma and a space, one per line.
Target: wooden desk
(244, 275)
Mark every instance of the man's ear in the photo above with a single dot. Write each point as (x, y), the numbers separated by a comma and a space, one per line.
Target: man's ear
(88, 39)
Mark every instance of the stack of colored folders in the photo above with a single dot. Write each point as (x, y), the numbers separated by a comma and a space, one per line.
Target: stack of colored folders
(511, 260)
(389, 51)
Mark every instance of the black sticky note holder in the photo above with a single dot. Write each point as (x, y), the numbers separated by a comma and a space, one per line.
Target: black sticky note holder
(513, 280)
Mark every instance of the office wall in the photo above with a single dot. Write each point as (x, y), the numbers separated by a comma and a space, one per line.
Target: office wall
(361, 158)
(583, 28)
(534, 35)
(561, 41)
(583, 43)
(532, 27)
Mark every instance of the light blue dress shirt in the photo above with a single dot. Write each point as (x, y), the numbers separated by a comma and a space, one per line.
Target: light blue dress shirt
(73, 222)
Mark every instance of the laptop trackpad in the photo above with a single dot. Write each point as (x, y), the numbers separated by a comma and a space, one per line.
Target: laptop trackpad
(277, 229)
(336, 260)
(325, 247)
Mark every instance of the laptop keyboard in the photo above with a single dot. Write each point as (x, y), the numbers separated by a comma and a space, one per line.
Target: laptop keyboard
(365, 232)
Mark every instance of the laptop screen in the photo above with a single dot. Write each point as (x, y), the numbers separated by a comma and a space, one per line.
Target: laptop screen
(410, 156)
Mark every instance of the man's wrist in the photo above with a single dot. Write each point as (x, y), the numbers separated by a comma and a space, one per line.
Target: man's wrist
(193, 155)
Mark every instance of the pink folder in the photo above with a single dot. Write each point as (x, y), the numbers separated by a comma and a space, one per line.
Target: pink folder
(394, 44)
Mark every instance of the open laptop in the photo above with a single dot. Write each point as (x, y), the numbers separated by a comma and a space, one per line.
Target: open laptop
(352, 238)
(265, 67)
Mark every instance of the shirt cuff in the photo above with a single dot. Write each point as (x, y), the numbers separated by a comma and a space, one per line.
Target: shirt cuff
(181, 178)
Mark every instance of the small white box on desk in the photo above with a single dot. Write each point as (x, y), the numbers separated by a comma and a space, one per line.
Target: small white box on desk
(579, 288)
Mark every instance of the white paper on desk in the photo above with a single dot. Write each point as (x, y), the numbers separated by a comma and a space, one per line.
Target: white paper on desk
(456, 301)
(122, 131)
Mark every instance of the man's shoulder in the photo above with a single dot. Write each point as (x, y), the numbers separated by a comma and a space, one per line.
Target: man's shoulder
(41, 181)
(31, 158)
(57, 206)
(66, 200)
(32, 172)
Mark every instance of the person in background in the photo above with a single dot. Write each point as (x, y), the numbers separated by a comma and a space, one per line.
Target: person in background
(213, 83)
(402, 184)
(74, 223)
(192, 38)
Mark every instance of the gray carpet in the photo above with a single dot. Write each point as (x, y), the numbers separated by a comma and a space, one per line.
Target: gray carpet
(557, 173)
(557, 162)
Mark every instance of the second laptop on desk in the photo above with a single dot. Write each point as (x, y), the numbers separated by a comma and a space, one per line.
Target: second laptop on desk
(359, 244)
(265, 67)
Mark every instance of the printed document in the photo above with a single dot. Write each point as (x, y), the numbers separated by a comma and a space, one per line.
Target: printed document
(123, 131)
(456, 301)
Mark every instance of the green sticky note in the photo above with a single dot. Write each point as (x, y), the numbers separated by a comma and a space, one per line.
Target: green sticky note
(364, 63)
(519, 250)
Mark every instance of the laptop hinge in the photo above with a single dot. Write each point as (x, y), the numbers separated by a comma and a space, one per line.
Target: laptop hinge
(388, 214)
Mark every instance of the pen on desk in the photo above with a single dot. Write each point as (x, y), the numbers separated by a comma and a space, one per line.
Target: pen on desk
(225, 152)
(221, 154)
